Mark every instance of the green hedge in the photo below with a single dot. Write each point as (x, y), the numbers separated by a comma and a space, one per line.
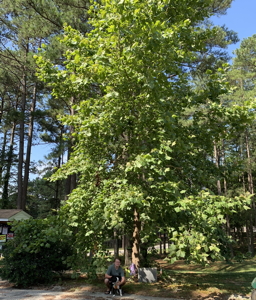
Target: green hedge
(39, 250)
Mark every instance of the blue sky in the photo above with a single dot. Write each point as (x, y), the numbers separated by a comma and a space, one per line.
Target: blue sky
(240, 17)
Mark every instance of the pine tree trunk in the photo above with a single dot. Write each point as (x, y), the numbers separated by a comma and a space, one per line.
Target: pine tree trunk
(251, 191)
(20, 200)
(228, 229)
(29, 146)
(250, 177)
(6, 179)
(56, 205)
(2, 157)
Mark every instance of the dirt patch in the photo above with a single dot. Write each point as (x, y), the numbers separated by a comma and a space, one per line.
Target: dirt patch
(5, 284)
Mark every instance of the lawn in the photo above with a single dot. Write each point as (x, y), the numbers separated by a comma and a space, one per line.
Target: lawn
(179, 280)
(219, 280)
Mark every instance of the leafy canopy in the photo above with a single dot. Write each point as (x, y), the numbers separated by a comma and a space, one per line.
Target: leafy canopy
(131, 77)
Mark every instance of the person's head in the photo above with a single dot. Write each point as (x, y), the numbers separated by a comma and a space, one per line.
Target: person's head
(117, 262)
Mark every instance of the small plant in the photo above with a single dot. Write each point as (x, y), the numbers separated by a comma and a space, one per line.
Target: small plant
(239, 257)
(36, 253)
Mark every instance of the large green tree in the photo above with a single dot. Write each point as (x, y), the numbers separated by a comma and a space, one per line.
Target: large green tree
(24, 26)
(136, 158)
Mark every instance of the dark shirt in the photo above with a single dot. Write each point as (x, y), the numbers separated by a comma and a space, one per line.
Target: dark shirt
(112, 271)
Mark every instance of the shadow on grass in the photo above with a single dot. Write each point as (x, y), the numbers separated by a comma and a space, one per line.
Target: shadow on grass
(182, 281)
(189, 281)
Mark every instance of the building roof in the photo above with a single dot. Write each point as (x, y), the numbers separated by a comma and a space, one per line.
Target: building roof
(13, 214)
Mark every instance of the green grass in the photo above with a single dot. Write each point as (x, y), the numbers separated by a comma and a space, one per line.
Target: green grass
(218, 280)
(190, 281)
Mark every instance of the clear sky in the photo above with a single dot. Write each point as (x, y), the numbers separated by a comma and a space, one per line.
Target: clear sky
(240, 17)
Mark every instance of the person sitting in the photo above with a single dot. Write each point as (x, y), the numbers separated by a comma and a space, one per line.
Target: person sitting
(114, 271)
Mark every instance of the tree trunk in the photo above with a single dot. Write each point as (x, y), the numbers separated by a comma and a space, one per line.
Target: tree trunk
(29, 146)
(250, 177)
(56, 205)
(5, 195)
(136, 239)
(127, 250)
(4, 138)
(251, 191)
(217, 158)
(70, 184)
(160, 243)
(72, 179)
(116, 246)
(3, 155)
(20, 201)
(228, 229)
(164, 242)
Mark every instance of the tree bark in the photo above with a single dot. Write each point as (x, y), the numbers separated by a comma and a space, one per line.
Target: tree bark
(72, 179)
(20, 201)
(216, 157)
(29, 146)
(251, 191)
(2, 157)
(136, 239)
(5, 195)
(116, 246)
(127, 250)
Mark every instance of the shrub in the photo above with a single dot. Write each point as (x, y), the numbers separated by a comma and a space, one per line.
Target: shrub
(39, 250)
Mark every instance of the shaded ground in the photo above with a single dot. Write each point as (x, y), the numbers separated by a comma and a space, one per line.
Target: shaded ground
(178, 281)
(15, 294)
(81, 293)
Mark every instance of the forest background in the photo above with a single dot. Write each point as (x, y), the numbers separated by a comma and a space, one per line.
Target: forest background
(169, 147)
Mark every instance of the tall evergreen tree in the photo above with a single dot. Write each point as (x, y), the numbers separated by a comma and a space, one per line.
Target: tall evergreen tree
(25, 25)
(242, 77)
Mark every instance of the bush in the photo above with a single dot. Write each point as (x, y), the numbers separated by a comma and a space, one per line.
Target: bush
(38, 250)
